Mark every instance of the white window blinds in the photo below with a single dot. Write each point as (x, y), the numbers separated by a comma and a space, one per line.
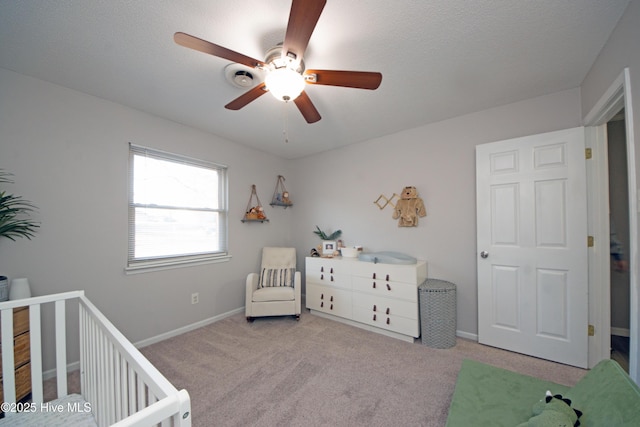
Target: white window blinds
(177, 209)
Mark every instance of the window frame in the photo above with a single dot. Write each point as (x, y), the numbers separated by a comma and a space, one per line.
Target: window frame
(143, 264)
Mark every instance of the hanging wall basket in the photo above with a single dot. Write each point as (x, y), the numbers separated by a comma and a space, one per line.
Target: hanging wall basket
(280, 194)
(254, 211)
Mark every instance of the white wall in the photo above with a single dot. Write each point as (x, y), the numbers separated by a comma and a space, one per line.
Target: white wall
(69, 154)
(336, 189)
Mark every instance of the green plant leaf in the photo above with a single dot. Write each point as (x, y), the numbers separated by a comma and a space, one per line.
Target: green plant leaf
(324, 236)
(14, 213)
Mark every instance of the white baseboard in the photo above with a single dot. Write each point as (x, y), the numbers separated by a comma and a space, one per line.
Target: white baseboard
(188, 328)
(621, 332)
(51, 373)
(467, 335)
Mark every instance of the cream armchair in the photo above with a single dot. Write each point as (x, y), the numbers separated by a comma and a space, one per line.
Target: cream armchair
(275, 291)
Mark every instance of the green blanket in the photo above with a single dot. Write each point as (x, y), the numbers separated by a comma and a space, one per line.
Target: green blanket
(495, 397)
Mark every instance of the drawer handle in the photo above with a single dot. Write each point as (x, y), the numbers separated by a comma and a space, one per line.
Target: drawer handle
(375, 308)
(321, 269)
(322, 277)
(374, 317)
(321, 296)
(331, 270)
(388, 321)
(374, 275)
(387, 310)
(387, 277)
(322, 304)
(332, 278)
(374, 285)
(331, 308)
(388, 287)
(331, 298)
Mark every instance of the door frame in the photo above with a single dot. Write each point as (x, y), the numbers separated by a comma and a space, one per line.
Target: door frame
(617, 96)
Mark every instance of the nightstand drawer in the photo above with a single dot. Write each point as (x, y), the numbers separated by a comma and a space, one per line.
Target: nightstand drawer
(20, 320)
(23, 383)
(21, 351)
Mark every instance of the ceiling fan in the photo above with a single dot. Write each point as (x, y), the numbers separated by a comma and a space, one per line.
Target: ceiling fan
(286, 76)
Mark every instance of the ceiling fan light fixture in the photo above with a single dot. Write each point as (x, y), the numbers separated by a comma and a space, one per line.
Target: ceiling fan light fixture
(284, 83)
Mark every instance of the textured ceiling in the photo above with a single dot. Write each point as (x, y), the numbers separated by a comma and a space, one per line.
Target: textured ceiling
(439, 59)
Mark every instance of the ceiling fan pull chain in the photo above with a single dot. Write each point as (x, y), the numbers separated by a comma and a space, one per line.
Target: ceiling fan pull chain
(285, 123)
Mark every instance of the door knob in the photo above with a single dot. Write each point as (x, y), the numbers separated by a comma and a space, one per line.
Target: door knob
(484, 254)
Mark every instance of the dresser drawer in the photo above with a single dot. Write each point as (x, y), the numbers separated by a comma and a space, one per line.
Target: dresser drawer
(415, 273)
(399, 324)
(386, 289)
(328, 271)
(387, 306)
(330, 279)
(329, 300)
(318, 265)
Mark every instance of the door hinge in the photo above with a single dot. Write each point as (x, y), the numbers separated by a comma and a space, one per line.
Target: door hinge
(592, 330)
(587, 153)
(589, 241)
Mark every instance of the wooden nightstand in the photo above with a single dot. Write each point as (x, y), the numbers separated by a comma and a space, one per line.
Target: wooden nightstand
(21, 354)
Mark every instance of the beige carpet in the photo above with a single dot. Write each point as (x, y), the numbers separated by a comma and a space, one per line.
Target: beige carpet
(318, 372)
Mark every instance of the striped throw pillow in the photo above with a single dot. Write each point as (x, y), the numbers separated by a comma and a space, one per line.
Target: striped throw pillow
(270, 277)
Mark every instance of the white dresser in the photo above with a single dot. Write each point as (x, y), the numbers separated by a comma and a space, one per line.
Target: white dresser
(378, 297)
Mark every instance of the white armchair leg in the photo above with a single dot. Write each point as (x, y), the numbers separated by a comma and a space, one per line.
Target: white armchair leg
(251, 285)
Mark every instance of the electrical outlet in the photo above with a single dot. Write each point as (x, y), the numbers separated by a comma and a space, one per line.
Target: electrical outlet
(195, 298)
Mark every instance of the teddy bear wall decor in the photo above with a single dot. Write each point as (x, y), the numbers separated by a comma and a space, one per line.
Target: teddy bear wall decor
(409, 208)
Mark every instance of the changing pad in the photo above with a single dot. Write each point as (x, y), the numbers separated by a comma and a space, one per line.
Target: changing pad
(387, 257)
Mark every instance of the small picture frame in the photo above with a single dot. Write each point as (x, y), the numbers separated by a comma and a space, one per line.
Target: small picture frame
(328, 247)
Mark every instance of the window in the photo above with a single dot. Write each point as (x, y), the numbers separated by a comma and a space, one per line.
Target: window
(177, 210)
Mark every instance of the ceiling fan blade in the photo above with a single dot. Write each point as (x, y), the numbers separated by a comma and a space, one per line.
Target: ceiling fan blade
(303, 18)
(355, 79)
(247, 97)
(306, 107)
(195, 43)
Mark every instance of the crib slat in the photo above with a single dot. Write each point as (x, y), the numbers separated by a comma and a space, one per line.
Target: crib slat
(122, 388)
(35, 330)
(133, 407)
(82, 329)
(61, 347)
(142, 391)
(102, 394)
(110, 384)
(93, 374)
(116, 386)
(9, 377)
(95, 371)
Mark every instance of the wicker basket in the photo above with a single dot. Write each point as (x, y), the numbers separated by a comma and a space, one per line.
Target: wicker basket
(438, 313)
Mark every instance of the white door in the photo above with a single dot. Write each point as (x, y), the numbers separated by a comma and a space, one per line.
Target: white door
(532, 246)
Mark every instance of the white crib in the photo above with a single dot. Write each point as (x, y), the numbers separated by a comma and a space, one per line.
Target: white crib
(118, 385)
